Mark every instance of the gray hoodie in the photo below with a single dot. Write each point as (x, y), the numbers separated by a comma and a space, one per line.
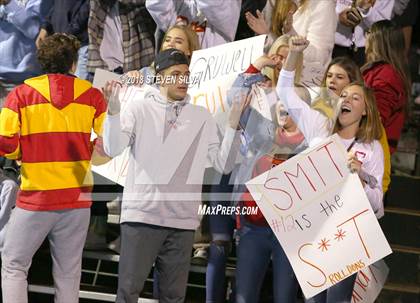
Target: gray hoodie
(167, 158)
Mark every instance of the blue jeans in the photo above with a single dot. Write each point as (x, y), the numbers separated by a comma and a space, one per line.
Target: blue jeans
(81, 71)
(221, 230)
(339, 293)
(257, 246)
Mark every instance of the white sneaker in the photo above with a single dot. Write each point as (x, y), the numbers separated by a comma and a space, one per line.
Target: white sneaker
(114, 207)
(95, 242)
(115, 245)
(200, 253)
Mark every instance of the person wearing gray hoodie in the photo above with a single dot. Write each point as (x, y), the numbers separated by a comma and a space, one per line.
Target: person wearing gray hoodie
(171, 141)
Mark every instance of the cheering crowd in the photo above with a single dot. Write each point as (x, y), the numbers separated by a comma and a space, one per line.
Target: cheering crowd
(50, 51)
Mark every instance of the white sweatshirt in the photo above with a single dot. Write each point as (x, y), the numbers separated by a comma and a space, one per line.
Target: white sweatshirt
(222, 17)
(317, 21)
(380, 11)
(314, 127)
(165, 173)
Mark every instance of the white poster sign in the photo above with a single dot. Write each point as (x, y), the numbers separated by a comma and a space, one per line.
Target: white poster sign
(319, 212)
(116, 169)
(213, 71)
(369, 282)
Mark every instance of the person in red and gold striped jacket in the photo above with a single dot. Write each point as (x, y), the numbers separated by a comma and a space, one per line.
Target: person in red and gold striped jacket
(47, 123)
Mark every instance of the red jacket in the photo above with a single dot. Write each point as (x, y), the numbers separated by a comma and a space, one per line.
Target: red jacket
(390, 99)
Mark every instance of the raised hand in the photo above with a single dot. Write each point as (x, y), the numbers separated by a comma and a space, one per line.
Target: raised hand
(264, 61)
(111, 93)
(298, 44)
(257, 24)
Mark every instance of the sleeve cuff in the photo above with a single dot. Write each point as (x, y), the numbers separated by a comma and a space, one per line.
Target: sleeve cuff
(287, 73)
(364, 12)
(252, 70)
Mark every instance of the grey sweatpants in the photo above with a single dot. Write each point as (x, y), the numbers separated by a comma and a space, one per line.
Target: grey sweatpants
(66, 231)
(141, 246)
(8, 191)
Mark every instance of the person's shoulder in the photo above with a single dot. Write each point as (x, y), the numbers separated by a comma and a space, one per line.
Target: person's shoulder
(36, 79)
(377, 146)
(374, 147)
(383, 72)
(379, 68)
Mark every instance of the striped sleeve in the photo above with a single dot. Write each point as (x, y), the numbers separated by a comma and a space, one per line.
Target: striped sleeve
(100, 111)
(10, 127)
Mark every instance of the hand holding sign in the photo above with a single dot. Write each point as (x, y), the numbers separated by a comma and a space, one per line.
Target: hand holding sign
(298, 44)
(111, 93)
(257, 24)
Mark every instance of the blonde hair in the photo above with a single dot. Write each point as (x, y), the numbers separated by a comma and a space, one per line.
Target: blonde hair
(370, 127)
(282, 41)
(191, 35)
(280, 11)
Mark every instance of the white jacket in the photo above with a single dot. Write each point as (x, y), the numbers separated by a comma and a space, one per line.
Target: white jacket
(222, 17)
(380, 11)
(165, 175)
(317, 22)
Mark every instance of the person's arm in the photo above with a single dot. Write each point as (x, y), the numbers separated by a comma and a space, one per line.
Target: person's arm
(46, 23)
(79, 21)
(46, 27)
(222, 155)
(119, 128)
(163, 12)
(26, 18)
(310, 122)
(375, 168)
(221, 15)
(380, 10)
(99, 156)
(244, 82)
(321, 32)
(10, 123)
